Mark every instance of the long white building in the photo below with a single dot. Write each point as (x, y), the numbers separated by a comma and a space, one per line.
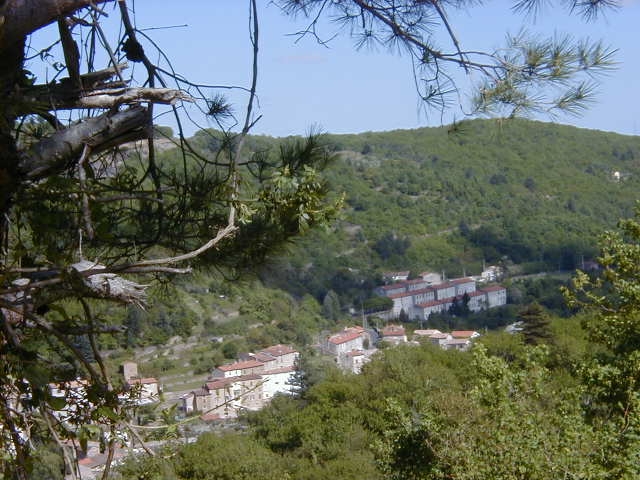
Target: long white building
(420, 298)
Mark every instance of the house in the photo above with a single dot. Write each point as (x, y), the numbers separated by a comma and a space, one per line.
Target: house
(418, 334)
(445, 290)
(477, 301)
(225, 397)
(129, 370)
(76, 402)
(353, 361)
(457, 344)
(407, 300)
(431, 278)
(146, 390)
(394, 334)
(416, 284)
(440, 339)
(424, 310)
(393, 289)
(467, 334)
(238, 369)
(496, 295)
(429, 294)
(282, 355)
(345, 341)
(463, 285)
(278, 380)
(247, 384)
(239, 393)
(491, 274)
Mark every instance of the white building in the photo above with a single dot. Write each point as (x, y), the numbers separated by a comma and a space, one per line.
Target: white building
(353, 361)
(431, 277)
(345, 341)
(496, 295)
(147, 390)
(394, 334)
(278, 380)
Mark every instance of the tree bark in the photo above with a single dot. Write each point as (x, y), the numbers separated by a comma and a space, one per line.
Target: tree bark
(55, 153)
(22, 17)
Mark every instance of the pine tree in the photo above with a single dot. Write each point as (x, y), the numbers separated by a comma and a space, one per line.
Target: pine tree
(536, 325)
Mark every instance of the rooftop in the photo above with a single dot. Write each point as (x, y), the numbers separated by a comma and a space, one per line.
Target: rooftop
(393, 331)
(493, 288)
(240, 365)
(343, 337)
(223, 382)
(426, 333)
(412, 292)
(464, 333)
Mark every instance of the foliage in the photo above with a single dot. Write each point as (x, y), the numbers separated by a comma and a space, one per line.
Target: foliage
(97, 204)
(422, 412)
(78, 184)
(613, 320)
(416, 189)
(536, 325)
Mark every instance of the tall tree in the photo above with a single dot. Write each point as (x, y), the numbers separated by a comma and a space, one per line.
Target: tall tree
(331, 305)
(612, 303)
(536, 324)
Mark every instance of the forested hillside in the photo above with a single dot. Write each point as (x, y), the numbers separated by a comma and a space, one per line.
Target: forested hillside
(530, 196)
(511, 192)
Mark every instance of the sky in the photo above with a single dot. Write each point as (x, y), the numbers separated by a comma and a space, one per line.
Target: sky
(339, 89)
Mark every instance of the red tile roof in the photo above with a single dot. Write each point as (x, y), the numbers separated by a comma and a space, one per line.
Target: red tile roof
(493, 288)
(411, 292)
(223, 382)
(433, 303)
(343, 337)
(240, 365)
(477, 293)
(439, 336)
(458, 281)
(396, 274)
(393, 331)
(442, 286)
(263, 357)
(463, 333)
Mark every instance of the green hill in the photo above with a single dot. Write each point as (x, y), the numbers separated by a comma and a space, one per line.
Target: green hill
(531, 196)
(516, 192)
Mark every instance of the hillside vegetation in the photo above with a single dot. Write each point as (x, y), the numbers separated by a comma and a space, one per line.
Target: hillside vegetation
(528, 195)
(513, 192)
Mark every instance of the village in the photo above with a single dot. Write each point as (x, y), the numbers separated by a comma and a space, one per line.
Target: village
(251, 381)
(254, 379)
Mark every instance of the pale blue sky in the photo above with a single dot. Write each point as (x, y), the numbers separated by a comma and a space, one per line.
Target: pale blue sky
(341, 90)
